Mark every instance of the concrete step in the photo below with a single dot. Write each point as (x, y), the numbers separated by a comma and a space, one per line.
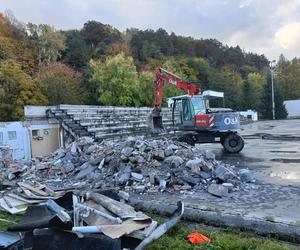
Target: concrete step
(94, 107)
(107, 117)
(117, 122)
(118, 128)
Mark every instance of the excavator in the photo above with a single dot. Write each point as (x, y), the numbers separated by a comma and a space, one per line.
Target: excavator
(192, 115)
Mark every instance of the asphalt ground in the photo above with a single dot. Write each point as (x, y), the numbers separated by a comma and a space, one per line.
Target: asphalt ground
(272, 151)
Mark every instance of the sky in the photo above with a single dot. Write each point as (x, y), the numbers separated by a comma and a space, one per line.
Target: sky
(269, 27)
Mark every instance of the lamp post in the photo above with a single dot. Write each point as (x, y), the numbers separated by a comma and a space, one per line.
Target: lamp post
(272, 81)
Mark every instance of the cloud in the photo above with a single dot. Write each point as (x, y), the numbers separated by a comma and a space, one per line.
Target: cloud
(287, 8)
(244, 3)
(274, 29)
(288, 38)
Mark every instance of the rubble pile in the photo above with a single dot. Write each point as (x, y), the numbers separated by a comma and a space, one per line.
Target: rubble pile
(133, 165)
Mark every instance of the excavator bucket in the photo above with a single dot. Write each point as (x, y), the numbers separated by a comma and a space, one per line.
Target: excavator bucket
(155, 122)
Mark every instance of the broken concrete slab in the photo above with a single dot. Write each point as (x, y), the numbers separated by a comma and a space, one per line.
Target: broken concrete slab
(206, 166)
(168, 152)
(137, 176)
(127, 151)
(173, 161)
(217, 190)
(230, 186)
(159, 155)
(222, 173)
(194, 165)
(84, 172)
(246, 175)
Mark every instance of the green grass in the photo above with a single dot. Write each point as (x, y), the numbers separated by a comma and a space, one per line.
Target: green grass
(10, 219)
(176, 239)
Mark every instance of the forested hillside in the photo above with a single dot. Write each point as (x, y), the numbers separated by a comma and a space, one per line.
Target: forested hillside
(99, 64)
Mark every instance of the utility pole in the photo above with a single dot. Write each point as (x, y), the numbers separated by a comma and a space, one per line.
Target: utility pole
(272, 81)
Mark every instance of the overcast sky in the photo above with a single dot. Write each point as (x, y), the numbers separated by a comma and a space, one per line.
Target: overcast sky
(269, 27)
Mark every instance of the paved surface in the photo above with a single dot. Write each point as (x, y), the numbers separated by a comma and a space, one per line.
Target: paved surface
(272, 161)
(276, 166)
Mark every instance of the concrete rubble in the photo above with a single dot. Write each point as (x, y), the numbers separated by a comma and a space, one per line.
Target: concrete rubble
(135, 164)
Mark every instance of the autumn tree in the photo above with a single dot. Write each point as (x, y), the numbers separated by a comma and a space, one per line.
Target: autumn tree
(14, 45)
(61, 84)
(16, 90)
(117, 81)
(47, 42)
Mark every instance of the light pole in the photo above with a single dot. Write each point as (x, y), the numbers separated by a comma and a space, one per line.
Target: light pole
(272, 81)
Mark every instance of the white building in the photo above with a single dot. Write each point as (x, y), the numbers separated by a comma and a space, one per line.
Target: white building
(293, 108)
(37, 137)
(15, 136)
(249, 114)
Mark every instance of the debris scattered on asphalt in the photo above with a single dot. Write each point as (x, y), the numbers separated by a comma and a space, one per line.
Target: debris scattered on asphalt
(137, 164)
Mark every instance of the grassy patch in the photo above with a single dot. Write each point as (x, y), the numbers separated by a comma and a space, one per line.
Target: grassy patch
(176, 239)
(7, 219)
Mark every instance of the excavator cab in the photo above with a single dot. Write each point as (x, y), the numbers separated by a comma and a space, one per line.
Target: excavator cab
(185, 108)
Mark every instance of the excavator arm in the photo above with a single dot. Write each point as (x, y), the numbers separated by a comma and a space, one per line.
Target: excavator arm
(163, 76)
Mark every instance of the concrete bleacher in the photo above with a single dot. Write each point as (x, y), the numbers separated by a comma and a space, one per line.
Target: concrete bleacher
(105, 121)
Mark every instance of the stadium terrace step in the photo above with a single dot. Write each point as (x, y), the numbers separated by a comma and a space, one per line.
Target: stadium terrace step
(105, 121)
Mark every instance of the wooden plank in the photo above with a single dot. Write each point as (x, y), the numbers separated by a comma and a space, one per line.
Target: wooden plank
(35, 190)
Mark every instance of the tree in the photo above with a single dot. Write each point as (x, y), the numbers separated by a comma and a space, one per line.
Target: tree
(146, 88)
(14, 45)
(95, 32)
(61, 84)
(229, 82)
(47, 42)
(252, 91)
(16, 90)
(288, 78)
(117, 81)
(202, 71)
(258, 61)
(234, 56)
(266, 106)
(77, 53)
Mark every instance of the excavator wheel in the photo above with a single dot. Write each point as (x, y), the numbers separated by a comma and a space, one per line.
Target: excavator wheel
(232, 143)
